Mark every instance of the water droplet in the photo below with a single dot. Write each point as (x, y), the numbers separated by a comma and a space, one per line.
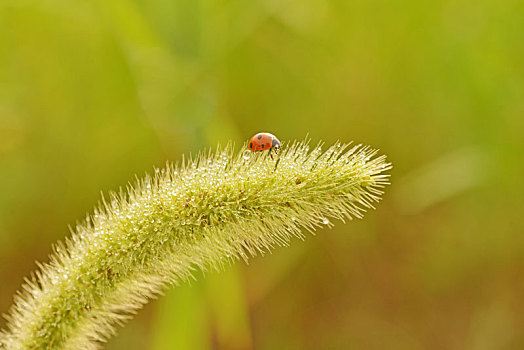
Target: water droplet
(325, 221)
(246, 154)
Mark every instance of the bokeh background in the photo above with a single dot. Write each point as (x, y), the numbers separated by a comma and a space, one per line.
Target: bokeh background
(94, 92)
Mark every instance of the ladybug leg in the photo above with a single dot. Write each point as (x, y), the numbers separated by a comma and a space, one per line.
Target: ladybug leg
(271, 150)
(277, 153)
(276, 163)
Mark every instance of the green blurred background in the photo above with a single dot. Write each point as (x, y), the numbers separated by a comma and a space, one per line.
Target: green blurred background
(94, 92)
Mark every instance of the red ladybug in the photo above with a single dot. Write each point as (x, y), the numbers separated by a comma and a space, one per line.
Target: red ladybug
(263, 141)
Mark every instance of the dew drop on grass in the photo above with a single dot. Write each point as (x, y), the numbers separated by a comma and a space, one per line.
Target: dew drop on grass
(246, 154)
(325, 221)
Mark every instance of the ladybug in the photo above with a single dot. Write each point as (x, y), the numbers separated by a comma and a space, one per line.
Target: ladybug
(263, 141)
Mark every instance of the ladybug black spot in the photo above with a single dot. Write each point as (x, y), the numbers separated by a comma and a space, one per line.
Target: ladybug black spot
(263, 145)
(259, 137)
(251, 145)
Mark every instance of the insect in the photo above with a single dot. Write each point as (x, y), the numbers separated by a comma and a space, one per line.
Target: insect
(263, 141)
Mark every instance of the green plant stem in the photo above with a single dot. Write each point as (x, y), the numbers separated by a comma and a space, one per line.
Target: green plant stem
(202, 214)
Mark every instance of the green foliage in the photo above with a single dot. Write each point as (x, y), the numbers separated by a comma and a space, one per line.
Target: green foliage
(202, 214)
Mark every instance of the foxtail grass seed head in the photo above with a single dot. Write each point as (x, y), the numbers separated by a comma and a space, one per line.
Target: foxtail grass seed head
(200, 214)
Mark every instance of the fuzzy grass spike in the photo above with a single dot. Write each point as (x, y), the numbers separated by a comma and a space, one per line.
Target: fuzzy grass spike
(201, 214)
